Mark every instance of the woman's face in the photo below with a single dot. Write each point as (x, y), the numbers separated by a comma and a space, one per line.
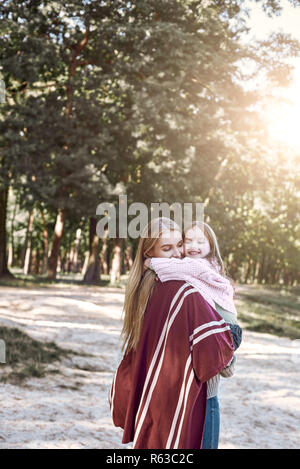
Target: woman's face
(196, 244)
(170, 244)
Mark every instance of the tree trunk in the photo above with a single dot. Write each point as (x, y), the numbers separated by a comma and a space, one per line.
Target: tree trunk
(234, 270)
(10, 260)
(275, 275)
(261, 271)
(255, 271)
(103, 254)
(128, 258)
(115, 272)
(28, 252)
(85, 263)
(11, 249)
(58, 267)
(92, 274)
(45, 244)
(57, 237)
(35, 263)
(70, 256)
(248, 270)
(4, 272)
(76, 250)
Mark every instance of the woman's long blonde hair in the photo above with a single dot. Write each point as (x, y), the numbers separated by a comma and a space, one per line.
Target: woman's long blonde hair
(140, 285)
(214, 255)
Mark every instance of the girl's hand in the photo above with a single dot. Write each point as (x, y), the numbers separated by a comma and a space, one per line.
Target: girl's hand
(147, 264)
(228, 371)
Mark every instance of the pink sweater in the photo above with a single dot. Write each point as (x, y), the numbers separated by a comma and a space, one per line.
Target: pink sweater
(201, 274)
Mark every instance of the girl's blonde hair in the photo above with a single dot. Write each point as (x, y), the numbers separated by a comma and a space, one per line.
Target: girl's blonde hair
(214, 255)
(140, 285)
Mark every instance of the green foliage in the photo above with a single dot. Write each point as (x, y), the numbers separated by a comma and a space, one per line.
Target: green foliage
(148, 96)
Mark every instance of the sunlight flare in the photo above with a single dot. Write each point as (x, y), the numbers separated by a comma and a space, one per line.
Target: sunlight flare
(284, 125)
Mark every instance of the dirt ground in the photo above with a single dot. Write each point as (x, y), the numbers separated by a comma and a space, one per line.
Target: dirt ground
(260, 404)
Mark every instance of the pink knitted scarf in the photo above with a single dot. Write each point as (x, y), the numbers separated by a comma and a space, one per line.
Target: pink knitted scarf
(200, 273)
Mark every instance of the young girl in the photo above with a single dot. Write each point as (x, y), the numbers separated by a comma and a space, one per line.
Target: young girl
(204, 269)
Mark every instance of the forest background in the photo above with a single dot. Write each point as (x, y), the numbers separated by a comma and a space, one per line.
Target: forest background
(160, 100)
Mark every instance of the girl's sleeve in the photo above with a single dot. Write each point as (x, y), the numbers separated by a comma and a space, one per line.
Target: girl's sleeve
(179, 269)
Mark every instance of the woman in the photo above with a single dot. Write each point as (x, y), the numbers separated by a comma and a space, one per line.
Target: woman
(174, 343)
(202, 267)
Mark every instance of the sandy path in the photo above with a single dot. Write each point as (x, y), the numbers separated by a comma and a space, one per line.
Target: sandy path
(260, 405)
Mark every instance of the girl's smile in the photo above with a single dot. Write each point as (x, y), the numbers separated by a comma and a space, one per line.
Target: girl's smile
(193, 253)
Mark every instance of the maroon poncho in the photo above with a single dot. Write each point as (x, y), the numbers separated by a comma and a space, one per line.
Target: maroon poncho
(158, 395)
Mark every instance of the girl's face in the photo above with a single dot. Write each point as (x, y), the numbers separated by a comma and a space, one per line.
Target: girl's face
(196, 244)
(170, 244)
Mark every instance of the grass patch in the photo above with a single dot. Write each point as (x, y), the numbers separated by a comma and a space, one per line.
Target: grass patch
(27, 357)
(68, 279)
(269, 309)
(38, 281)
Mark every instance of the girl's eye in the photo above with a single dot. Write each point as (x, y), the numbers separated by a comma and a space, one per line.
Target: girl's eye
(166, 249)
(199, 241)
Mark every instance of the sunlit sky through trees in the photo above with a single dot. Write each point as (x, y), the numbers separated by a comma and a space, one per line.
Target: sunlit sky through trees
(281, 111)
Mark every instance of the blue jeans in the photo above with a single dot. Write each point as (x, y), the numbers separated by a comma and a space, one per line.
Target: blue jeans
(212, 424)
